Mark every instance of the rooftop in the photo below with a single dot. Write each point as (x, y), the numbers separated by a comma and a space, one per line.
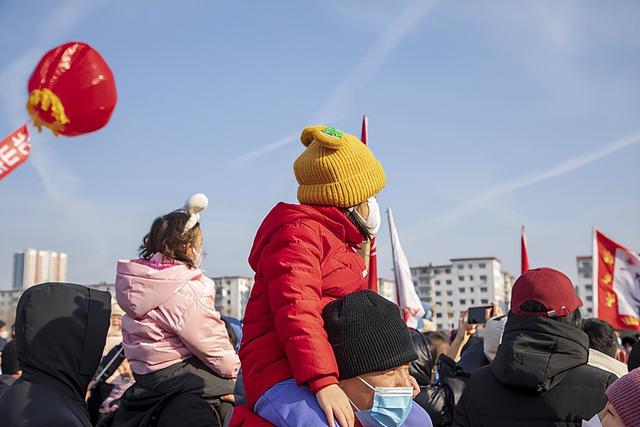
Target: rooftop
(432, 266)
(476, 259)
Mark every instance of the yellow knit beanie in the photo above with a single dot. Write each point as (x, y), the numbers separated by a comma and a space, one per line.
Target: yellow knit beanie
(336, 169)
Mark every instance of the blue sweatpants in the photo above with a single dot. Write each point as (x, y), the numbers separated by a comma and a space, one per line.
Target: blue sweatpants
(287, 404)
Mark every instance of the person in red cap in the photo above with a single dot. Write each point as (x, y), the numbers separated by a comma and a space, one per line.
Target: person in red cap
(539, 376)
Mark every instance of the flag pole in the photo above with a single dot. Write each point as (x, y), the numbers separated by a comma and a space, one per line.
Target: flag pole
(594, 271)
(393, 256)
(370, 250)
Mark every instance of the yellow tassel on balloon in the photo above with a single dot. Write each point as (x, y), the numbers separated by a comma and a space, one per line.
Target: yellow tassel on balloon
(46, 100)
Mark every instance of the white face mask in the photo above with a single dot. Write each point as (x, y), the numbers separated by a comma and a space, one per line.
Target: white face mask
(4, 335)
(373, 221)
(593, 422)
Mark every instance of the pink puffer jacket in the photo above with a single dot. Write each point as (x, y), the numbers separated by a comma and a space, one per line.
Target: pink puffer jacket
(171, 316)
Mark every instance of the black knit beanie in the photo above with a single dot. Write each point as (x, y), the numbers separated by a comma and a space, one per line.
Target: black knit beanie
(367, 334)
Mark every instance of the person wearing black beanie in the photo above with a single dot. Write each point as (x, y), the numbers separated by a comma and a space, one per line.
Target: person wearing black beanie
(373, 349)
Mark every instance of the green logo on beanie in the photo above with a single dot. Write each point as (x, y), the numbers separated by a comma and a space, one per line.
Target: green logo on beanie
(332, 132)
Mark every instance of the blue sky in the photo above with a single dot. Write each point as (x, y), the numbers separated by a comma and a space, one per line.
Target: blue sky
(485, 115)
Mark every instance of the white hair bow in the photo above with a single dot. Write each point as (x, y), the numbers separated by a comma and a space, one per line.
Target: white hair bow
(196, 204)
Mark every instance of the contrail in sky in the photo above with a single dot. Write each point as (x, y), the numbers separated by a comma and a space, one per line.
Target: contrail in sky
(480, 200)
(336, 105)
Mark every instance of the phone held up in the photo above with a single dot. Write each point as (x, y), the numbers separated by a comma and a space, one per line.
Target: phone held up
(479, 315)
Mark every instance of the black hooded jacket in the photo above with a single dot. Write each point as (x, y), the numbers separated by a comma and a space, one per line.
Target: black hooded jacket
(539, 377)
(60, 334)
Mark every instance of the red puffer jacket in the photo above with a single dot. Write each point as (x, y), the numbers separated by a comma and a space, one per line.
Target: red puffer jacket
(304, 257)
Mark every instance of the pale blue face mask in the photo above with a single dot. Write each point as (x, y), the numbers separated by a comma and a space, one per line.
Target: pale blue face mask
(391, 406)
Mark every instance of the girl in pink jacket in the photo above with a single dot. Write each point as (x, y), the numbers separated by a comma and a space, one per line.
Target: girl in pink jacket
(172, 334)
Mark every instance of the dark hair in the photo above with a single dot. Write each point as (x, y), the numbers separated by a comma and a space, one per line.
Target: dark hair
(574, 318)
(628, 341)
(634, 357)
(602, 336)
(438, 337)
(167, 237)
(358, 223)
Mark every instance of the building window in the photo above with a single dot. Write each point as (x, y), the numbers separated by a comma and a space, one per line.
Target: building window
(448, 282)
(484, 301)
(483, 289)
(471, 278)
(482, 265)
(588, 287)
(439, 315)
(483, 277)
(447, 271)
(449, 304)
(589, 298)
(438, 303)
(473, 301)
(471, 289)
(461, 290)
(470, 266)
(449, 293)
(463, 302)
(436, 271)
(461, 278)
(438, 293)
(460, 266)
(437, 282)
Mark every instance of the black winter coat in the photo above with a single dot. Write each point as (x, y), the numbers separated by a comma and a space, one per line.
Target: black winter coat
(420, 369)
(60, 333)
(539, 377)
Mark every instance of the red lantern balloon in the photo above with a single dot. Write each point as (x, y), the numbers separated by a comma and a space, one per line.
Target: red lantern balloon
(72, 90)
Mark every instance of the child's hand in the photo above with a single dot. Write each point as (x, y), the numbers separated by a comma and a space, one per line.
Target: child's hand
(228, 398)
(335, 405)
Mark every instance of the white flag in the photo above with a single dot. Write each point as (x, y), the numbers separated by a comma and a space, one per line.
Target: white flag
(408, 299)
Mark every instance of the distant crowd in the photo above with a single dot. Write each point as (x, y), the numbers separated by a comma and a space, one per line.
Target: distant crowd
(316, 347)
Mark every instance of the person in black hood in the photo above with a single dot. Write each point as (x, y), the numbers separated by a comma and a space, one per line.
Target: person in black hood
(539, 376)
(61, 330)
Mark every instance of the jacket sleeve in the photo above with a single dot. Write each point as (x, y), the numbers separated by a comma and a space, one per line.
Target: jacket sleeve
(462, 416)
(205, 335)
(291, 272)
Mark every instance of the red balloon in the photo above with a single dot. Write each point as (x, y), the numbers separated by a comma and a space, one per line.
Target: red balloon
(72, 90)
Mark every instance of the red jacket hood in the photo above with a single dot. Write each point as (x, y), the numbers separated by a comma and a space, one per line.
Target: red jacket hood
(328, 217)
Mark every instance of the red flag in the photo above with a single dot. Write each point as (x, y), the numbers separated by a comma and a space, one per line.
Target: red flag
(616, 270)
(373, 253)
(14, 150)
(524, 257)
(365, 125)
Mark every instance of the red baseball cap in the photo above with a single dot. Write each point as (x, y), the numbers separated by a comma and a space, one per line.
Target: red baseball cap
(547, 286)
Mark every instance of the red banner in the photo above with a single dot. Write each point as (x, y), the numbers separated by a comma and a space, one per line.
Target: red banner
(617, 274)
(524, 256)
(14, 150)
